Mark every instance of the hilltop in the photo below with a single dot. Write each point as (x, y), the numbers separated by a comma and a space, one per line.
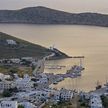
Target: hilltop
(12, 47)
(43, 15)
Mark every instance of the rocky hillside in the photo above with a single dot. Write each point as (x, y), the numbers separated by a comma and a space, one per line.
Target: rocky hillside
(43, 15)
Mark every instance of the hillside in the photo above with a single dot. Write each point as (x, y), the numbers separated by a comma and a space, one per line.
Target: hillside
(21, 48)
(13, 47)
(43, 15)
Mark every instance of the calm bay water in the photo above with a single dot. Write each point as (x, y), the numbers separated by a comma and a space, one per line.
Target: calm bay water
(89, 41)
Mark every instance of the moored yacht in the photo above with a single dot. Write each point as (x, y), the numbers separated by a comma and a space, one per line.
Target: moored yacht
(75, 70)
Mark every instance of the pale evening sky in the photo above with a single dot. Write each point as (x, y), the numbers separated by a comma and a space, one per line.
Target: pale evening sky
(66, 5)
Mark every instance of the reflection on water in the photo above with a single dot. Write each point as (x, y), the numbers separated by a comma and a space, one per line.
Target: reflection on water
(92, 42)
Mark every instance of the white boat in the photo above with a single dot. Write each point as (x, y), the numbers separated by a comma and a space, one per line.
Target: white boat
(54, 67)
(60, 79)
(55, 82)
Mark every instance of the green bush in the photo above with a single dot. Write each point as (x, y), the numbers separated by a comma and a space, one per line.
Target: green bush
(20, 106)
(104, 101)
(6, 93)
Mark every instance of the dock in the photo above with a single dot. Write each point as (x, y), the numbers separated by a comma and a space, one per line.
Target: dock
(77, 57)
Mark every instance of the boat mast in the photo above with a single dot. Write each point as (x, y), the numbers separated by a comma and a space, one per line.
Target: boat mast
(81, 62)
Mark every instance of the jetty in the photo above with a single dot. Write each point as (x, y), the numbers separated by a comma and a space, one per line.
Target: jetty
(77, 57)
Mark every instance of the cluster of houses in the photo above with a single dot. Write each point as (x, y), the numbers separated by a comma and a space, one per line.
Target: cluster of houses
(15, 104)
(38, 98)
(20, 83)
(31, 90)
(34, 91)
(93, 98)
(95, 101)
(19, 61)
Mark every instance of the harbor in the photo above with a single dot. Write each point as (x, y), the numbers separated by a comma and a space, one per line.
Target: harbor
(76, 44)
(37, 89)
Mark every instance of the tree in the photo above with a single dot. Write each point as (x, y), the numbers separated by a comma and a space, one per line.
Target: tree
(13, 90)
(104, 101)
(14, 70)
(35, 85)
(6, 93)
(20, 106)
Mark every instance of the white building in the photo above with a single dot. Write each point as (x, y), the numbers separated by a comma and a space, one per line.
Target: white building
(24, 83)
(95, 101)
(66, 94)
(33, 95)
(15, 60)
(28, 58)
(6, 85)
(11, 42)
(43, 79)
(3, 77)
(8, 104)
(55, 94)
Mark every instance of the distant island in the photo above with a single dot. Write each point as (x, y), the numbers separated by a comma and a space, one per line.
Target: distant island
(43, 15)
(12, 47)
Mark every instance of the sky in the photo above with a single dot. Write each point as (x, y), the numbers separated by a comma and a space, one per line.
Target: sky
(76, 6)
